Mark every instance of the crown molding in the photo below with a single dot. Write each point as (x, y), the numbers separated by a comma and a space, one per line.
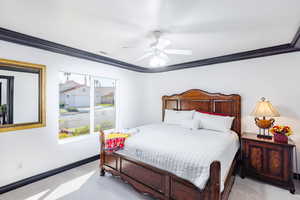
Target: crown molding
(269, 51)
(27, 40)
(296, 40)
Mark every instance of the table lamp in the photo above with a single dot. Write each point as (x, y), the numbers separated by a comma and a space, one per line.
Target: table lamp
(264, 109)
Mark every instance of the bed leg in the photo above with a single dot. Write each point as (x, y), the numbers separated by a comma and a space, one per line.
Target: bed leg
(101, 165)
(102, 153)
(215, 181)
(102, 172)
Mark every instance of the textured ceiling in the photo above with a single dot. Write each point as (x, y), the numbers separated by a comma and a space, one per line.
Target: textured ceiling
(209, 28)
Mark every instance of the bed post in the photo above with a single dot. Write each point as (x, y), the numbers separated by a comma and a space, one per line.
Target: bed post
(102, 153)
(215, 181)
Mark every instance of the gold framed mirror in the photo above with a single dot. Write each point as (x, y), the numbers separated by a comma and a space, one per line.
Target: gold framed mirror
(22, 95)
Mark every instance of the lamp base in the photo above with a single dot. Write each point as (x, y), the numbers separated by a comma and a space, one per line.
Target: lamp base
(269, 137)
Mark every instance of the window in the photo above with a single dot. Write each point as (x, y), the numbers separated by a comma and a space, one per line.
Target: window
(104, 103)
(85, 101)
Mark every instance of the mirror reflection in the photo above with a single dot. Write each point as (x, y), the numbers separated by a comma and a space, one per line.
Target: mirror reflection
(19, 95)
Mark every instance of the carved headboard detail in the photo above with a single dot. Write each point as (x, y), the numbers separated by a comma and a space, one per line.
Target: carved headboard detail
(205, 101)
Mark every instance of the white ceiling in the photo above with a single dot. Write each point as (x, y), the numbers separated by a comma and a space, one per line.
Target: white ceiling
(209, 28)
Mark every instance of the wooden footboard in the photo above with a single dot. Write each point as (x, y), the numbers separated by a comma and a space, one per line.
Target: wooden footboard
(162, 184)
(159, 183)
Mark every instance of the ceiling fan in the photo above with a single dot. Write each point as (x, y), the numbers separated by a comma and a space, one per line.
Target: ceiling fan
(158, 52)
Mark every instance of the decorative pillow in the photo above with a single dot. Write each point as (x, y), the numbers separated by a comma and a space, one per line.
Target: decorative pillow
(212, 113)
(175, 117)
(214, 121)
(192, 124)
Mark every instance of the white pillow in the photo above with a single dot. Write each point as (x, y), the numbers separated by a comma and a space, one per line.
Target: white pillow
(175, 117)
(192, 124)
(214, 122)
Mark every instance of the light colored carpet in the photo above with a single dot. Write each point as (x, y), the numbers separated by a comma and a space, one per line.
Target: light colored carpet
(84, 183)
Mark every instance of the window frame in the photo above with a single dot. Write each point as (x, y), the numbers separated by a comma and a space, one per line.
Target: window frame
(92, 131)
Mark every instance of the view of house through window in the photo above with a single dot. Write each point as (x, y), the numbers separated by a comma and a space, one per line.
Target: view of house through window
(104, 103)
(85, 101)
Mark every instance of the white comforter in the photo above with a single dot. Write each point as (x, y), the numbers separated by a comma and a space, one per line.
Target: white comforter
(181, 151)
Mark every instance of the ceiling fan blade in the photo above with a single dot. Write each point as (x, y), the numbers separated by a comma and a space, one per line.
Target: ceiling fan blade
(163, 43)
(178, 51)
(128, 47)
(144, 56)
(164, 56)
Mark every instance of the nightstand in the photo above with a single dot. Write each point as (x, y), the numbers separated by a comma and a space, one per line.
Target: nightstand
(268, 161)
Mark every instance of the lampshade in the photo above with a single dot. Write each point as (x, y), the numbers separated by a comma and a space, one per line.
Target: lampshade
(264, 108)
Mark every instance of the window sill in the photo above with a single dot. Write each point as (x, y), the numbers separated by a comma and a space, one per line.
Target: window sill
(76, 139)
(83, 137)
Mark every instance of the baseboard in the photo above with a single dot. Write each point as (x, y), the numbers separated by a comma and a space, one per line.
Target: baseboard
(41, 176)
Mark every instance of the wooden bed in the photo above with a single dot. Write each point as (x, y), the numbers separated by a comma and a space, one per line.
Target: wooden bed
(162, 184)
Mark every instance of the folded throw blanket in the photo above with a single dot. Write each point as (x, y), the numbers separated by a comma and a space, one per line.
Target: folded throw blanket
(115, 141)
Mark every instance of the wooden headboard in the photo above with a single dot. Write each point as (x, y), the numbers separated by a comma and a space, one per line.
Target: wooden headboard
(210, 102)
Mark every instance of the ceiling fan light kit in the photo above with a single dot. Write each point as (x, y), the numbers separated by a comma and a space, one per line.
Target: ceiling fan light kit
(157, 61)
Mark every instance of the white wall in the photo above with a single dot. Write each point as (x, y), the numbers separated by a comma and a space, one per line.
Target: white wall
(26, 96)
(28, 152)
(274, 77)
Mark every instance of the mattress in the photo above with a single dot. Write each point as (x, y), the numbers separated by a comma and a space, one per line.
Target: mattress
(184, 152)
